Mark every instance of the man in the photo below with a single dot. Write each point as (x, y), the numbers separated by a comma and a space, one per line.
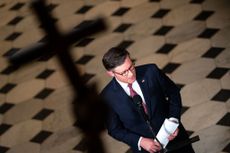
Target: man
(159, 94)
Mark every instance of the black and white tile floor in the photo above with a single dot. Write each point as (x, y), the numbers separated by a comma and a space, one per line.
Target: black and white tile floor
(187, 39)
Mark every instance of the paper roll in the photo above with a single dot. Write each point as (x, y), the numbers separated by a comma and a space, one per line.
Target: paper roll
(167, 128)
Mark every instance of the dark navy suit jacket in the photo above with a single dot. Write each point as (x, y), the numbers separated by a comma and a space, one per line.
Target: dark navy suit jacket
(163, 100)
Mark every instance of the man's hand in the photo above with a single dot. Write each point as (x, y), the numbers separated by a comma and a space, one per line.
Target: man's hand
(150, 145)
(172, 136)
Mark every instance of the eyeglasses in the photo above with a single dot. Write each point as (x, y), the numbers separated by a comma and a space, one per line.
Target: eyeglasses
(126, 72)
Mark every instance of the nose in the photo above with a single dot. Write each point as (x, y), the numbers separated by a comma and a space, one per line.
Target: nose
(130, 73)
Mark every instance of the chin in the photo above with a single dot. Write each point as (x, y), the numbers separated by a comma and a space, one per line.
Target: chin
(132, 80)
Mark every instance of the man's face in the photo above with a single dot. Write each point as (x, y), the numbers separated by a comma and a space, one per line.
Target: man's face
(125, 72)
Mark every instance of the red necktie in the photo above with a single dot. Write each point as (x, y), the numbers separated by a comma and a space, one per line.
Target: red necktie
(133, 93)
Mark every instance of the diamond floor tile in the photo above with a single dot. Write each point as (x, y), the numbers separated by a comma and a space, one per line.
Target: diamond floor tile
(188, 40)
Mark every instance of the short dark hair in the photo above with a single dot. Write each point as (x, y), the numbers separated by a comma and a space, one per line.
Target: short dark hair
(114, 57)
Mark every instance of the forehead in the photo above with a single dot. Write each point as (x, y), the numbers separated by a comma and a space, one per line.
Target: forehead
(127, 63)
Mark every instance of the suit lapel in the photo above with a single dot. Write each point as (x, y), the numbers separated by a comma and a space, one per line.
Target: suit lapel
(122, 96)
(146, 91)
(143, 83)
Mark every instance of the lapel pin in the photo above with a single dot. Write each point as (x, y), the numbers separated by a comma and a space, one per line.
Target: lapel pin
(143, 81)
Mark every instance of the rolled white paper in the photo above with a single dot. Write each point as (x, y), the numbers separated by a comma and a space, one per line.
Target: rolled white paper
(167, 128)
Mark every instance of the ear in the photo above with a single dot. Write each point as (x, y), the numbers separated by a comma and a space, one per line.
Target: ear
(110, 73)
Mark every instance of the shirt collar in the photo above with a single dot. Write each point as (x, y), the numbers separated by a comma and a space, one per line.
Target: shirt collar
(123, 84)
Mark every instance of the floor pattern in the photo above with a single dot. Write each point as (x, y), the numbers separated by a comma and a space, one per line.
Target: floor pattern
(187, 39)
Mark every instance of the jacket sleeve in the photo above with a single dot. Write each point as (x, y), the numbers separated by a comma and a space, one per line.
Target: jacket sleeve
(115, 126)
(119, 132)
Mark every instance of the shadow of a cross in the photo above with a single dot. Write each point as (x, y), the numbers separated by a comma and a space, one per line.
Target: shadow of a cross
(89, 109)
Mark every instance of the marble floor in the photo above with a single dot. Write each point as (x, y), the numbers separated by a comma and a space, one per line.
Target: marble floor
(187, 39)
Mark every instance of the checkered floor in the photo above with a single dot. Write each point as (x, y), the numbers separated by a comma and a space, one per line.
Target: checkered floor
(187, 39)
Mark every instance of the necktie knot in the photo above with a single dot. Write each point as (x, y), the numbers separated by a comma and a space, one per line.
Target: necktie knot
(132, 91)
(130, 85)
